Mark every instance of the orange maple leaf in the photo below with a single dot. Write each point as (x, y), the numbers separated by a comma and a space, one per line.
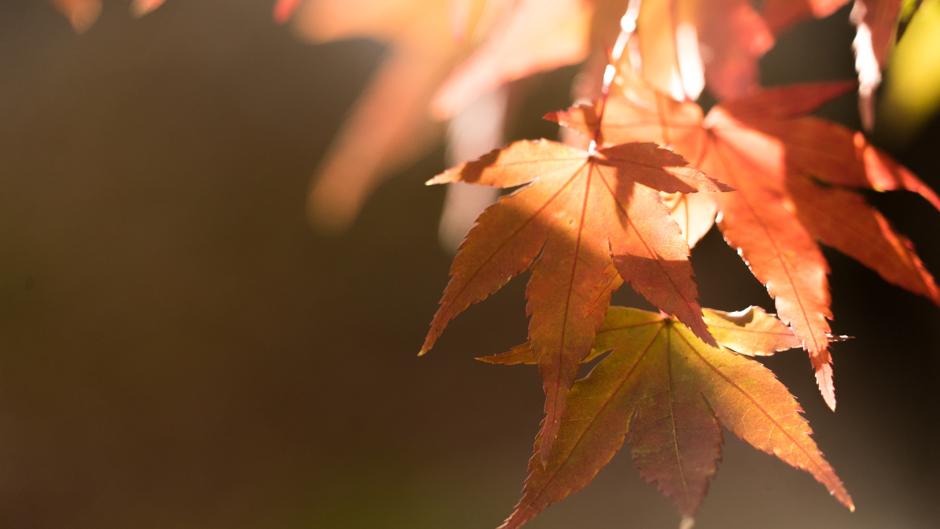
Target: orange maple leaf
(583, 221)
(665, 392)
(793, 176)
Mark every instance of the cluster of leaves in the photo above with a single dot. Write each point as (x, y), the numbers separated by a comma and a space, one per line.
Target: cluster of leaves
(452, 52)
(626, 203)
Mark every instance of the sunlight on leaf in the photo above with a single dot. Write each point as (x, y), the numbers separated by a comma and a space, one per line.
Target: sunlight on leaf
(585, 222)
(777, 159)
(666, 393)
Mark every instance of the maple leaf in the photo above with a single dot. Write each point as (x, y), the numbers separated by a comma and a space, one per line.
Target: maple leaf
(82, 14)
(584, 221)
(793, 176)
(666, 392)
(876, 21)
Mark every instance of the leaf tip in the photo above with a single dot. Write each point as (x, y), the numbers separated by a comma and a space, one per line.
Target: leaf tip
(516, 520)
(284, 10)
(705, 334)
(723, 187)
(140, 8)
(439, 179)
(81, 16)
(826, 386)
(843, 497)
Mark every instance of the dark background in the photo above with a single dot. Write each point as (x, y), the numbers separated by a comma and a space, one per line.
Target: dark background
(178, 349)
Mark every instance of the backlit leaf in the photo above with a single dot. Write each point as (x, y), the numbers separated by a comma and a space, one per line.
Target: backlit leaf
(584, 222)
(666, 392)
(793, 175)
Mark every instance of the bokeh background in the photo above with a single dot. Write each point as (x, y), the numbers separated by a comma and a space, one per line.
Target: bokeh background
(179, 349)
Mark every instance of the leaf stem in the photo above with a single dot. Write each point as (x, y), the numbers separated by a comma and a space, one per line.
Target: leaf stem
(627, 28)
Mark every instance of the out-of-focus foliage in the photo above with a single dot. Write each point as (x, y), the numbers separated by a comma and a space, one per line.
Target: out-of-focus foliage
(82, 14)
(444, 55)
(876, 22)
(912, 92)
(448, 53)
(614, 209)
(682, 45)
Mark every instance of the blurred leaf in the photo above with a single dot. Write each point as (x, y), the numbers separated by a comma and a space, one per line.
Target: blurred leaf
(877, 22)
(284, 10)
(682, 44)
(449, 53)
(82, 14)
(912, 93)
